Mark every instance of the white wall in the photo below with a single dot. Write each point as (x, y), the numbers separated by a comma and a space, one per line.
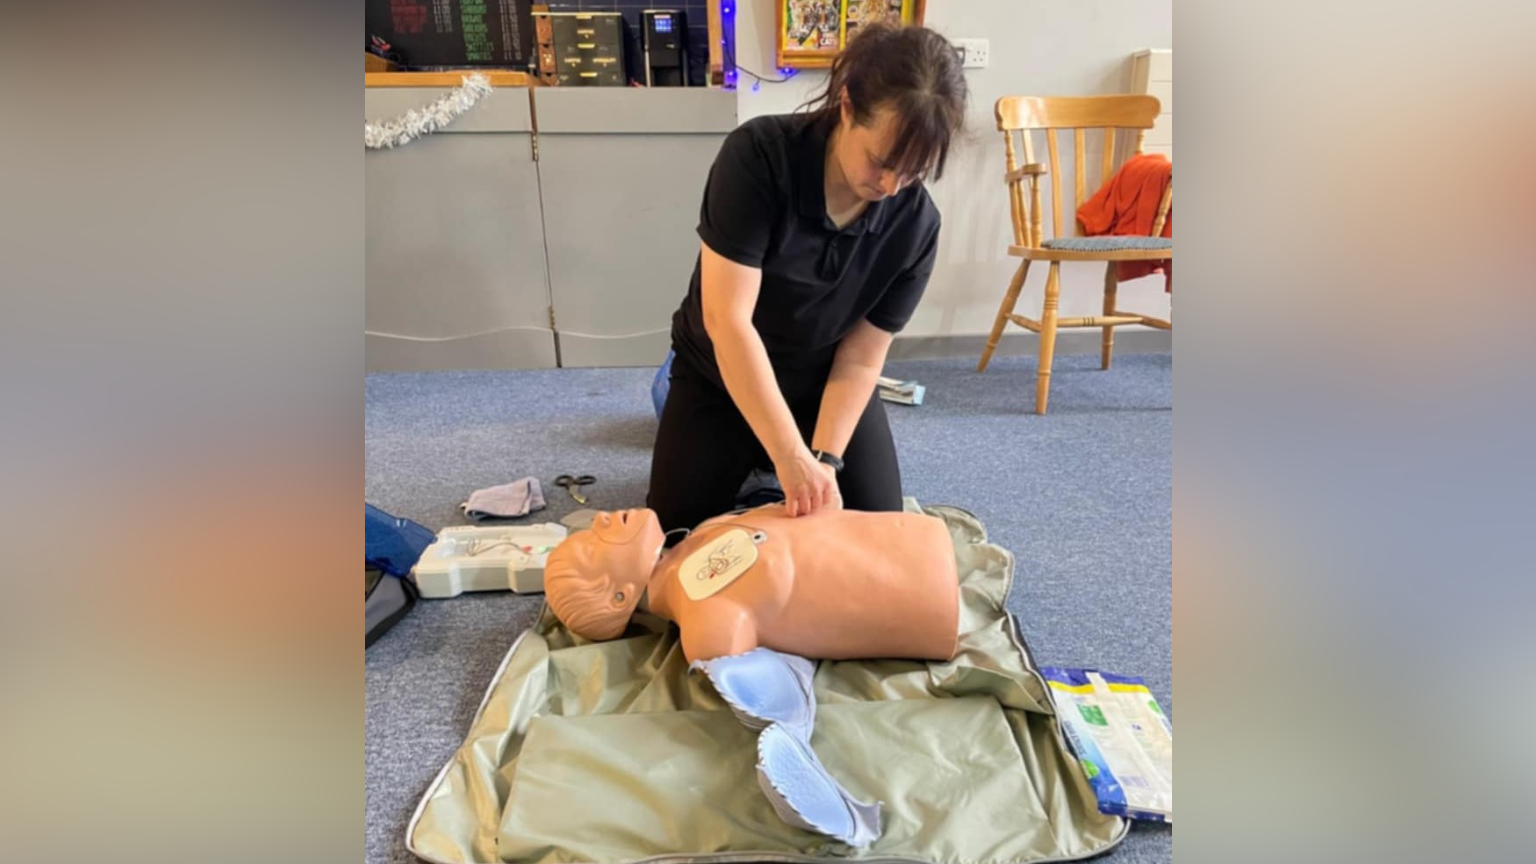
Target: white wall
(1039, 47)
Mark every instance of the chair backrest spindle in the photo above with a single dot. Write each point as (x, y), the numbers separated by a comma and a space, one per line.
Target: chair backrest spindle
(1055, 168)
(1108, 170)
(1034, 203)
(1162, 209)
(1079, 165)
(1015, 195)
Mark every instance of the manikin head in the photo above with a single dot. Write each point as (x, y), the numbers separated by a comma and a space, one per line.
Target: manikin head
(593, 580)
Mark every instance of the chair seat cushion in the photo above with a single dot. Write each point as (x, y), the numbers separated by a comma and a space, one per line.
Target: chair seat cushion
(1107, 243)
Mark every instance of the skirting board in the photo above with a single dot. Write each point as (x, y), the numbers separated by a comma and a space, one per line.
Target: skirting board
(536, 351)
(1020, 344)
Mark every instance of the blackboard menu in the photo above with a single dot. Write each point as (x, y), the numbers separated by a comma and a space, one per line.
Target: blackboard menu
(427, 33)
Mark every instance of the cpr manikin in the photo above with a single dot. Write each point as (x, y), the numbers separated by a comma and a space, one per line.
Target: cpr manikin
(757, 597)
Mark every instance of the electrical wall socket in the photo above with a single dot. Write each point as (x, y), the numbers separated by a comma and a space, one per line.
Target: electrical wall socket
(975, 50)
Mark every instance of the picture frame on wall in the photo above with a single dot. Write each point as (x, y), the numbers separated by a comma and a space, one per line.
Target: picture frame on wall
(811, 32)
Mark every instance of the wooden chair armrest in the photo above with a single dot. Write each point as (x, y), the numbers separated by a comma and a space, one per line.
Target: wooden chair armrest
(1033, 169)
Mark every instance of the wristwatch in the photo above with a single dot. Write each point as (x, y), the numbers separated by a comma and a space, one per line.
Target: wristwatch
(824, 456)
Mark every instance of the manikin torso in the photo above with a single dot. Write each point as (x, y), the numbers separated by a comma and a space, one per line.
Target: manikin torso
(835, 585)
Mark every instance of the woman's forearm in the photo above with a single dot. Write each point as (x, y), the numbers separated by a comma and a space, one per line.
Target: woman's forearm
(750, 380)
(855, 372)
(842, 404)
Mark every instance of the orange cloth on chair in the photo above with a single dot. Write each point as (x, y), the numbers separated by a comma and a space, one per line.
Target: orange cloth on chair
(1127, 204)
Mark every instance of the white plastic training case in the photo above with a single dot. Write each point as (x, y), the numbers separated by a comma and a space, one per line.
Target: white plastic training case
(488, 558)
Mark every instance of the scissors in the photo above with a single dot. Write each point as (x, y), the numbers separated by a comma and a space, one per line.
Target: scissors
(573, 485)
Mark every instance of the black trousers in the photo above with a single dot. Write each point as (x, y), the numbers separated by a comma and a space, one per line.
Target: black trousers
(705, 449)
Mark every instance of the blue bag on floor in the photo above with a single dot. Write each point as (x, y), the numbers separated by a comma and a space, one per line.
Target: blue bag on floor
(392, 544)
(661, 384)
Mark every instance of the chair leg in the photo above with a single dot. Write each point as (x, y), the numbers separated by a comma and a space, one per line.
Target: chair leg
(1003, 311)
(1047, 337)
(1111, 285)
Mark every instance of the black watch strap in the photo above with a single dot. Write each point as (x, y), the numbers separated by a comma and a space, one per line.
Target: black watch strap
(836, 463)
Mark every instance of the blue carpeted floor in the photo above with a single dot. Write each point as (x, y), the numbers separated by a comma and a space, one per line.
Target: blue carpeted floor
(1082, 496)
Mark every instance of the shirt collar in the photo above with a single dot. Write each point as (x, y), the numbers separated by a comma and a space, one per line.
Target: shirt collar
(813, 198)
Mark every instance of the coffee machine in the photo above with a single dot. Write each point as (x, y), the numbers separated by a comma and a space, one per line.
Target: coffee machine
(664, 47)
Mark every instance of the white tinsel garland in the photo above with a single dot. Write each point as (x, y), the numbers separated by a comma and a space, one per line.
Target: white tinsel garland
(422, 121)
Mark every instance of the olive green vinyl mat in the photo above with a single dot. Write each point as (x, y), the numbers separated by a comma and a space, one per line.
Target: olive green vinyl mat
(614, 752)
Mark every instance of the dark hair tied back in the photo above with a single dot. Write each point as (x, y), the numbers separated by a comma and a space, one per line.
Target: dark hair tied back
(914, 72)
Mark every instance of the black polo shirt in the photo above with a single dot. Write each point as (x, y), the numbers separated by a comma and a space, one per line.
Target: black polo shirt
(765, 207)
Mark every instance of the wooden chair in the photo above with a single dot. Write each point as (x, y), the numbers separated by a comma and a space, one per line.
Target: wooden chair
(1055, 116)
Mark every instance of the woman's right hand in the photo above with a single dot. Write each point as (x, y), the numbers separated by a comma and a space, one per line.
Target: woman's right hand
(809, 485)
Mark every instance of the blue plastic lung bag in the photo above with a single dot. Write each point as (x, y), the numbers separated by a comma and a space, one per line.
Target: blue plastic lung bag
(775, 693)
(392, 544)
(804, 794)
(660, 384)
(764, 686)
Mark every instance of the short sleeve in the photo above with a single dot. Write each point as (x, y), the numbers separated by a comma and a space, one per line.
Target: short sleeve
(894, 309)
(741, 204)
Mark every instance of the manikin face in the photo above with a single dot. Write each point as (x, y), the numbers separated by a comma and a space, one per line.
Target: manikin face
(861, 154)
(638, 529)
(618, 555)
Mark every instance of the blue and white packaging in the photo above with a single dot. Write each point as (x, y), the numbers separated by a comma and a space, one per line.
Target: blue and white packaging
(1122, 739)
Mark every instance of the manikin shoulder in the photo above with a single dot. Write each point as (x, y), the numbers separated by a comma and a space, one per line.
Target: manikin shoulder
(717, 628)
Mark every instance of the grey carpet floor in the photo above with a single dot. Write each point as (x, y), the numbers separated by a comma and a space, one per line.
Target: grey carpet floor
(1083, 497)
